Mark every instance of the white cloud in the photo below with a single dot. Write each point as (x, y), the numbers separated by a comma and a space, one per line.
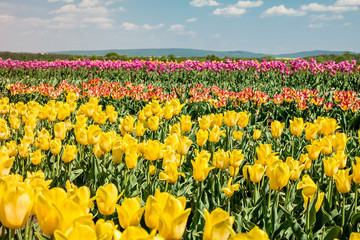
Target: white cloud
(282, 10)
(191, 20)
(6, 18)
(316, 25)
(347, 24)
(323, 8)
(121, 9)
(86, 13)
(67, 1)
(149, 27)
(248, 4)
(186, 33)
(202, 3)
(129, 26)
(324, 17)
(88, 3)
(229, 11)
(216, 35)
(347, 2)
(177, 27)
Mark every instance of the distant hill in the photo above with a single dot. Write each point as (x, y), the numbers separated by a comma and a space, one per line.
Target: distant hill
(186, 52)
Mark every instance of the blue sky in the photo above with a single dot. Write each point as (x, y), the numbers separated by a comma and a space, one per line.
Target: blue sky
(270, 26)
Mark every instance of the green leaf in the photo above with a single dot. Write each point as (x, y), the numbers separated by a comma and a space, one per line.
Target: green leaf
(332, 232)
(295, 226)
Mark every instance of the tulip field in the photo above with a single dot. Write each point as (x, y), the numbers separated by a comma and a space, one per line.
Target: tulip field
(179, 150)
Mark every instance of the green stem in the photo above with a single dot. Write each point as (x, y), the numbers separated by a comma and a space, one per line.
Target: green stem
(343, 212)
(69, 171)
(308, 217)
(11, 234)
(293, 145)
(58, 165)
(330, 192)
(356, 197)
(269, 199)
(166, 186)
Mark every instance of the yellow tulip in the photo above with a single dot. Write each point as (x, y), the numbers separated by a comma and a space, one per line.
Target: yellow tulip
(60, 130)
(256, 134)
(4, 130)
(201, 167)
(339, 142)
(340, 155)
(81, 228)
(255, 171)
(218, 224)
(127, 124)
(277, 128)
(254, 234)
(243, 119)
(97, 150)
(12, 148)
(354, 236)
(137, 233)
(184, 145)
(107, 230)
(233, 171)
(297, 126)
(331, 166)
(168, 111)
(202, 137)
(263, 152)
(238, 135)
(106, 140)
(343, 180)
(64, 111)
(117, 151)
(100, 117)
(130, 212)
(131, 157)
(215, 134)
(15, 204)
(47, 212)
(230, 189)
(236, 158)
(153, 123)
(152, 170)
(185, 121)
(176, 105)
(313, 151)
(69, 153)
(5, 161)
(295, 168)
(175, 129)
(356, 170)
(216, 119)
(14, 123)
(93, 134)
(221, 159)
(36, 157)
(152, 150)
(55, 146)
(167, 214)
(204, 122)
(23, 149)
(329, 126)
(304, 159)
(231, 118)
(325, 143)
(81, 136)
(106, 198)
(319, 200)
(307, 185)
(171, 173)
(155, 107)
(173, 141)
(147, 111)
(140, 128)
(279, 175)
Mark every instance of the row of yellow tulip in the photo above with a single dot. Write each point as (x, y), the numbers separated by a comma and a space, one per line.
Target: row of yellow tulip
(166, 144)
